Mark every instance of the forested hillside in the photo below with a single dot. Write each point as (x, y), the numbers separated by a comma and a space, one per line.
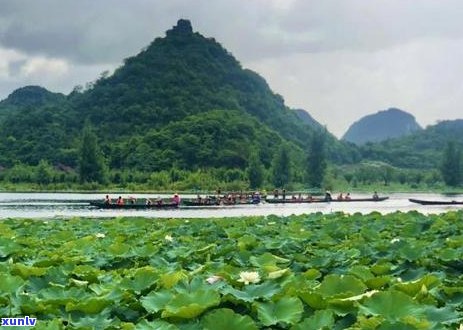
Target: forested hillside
(183, 101)
(423, 149)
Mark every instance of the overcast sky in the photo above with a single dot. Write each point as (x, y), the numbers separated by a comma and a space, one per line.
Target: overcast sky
(339, 60)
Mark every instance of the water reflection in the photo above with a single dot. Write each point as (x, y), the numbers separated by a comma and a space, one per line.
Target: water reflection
(65, 205)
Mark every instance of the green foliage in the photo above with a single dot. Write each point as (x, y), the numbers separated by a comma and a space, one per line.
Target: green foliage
(316, 160)
(451, 167)
(255, 171)
(395, 271)
(281, 167)
(92, 166)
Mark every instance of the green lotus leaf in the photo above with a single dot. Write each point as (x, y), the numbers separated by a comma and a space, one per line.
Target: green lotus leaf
(8, 247)
(320, 320)
(378, 282)
(100, 321)
(392, 305)
(362, 272)
(445, 315)
(87, 273)
(388, 325)
(119, 249)
(313, 299)
(10, 284)
(253, 292)
(414, 287)
(59, 295)
(89, 306)
(286, 310)
(342, 307)
(56, 324)
(449, 254)
(156, 301)
(381, 269)
(158, 325)
(27, 271)
(146, 250)
(312, 274)
(142, 279)
(411, 252)
(168, 280)
(267, 259)
(341, 286)
(190, 305)
(226, 319)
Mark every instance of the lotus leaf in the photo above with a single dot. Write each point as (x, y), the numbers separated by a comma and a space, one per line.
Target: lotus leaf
(227, 319)
(286, 310)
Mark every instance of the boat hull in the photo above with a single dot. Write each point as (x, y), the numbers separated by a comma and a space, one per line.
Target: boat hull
(309, 201)
(129, 206)
(427, 202)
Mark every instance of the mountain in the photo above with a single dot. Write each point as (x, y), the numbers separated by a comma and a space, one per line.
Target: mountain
(307, 118)
(383, 125)
(421, 149)
(27, 97)
(184, 101)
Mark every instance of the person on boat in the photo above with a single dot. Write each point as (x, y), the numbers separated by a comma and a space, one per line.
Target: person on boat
(340, 197)
(375, 195)
(275, 194)
(176, 199)
(159, 200)
(132, 200)
(107, 200)
(148, 202)
(120, 201)
(347, 197)
(283, 193)
(328, 197)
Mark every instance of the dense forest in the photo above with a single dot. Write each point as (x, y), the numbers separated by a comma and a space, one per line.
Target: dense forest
(184, 114)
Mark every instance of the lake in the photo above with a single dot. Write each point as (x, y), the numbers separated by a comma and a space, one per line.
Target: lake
(66, 205)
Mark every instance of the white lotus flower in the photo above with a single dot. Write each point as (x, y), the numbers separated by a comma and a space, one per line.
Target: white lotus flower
(271, 223)
(214, 279)
(249, 277)
(460, 327)
(395, 240)
(100, 235)
(168, 238)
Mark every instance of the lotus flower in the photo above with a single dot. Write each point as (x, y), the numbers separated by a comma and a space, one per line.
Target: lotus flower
(168, 238)
(249, 277)
(395, 240)
(100, 235)
(214, 279)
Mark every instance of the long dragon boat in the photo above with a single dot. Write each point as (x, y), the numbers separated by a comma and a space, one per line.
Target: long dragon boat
(134, 206)
(322, 200)
(428, 202)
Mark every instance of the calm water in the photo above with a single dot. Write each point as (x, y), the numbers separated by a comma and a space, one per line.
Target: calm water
(65, 205)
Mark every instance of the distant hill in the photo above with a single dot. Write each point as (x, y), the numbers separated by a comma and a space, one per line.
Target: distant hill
(421, 149)
(383, 125)
(171, 105)
(27, 97)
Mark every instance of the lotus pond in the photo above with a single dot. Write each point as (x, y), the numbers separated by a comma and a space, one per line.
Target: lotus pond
(318, 271)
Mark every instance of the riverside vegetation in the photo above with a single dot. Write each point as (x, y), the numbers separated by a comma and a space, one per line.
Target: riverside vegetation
(337, 271)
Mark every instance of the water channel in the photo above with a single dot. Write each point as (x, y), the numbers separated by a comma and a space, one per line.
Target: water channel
(66, 205)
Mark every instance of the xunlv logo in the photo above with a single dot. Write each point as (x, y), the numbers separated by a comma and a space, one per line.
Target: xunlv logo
(18, 321)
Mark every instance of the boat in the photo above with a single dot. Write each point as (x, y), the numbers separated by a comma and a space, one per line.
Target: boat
(135, 206)
(428, 202)
(204, 202)
(322, 200)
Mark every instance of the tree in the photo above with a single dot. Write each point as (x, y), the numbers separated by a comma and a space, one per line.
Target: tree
(316, 159)
(44, 173)
(92, 167)
(451, 165)
(281, 167)
(255, 171)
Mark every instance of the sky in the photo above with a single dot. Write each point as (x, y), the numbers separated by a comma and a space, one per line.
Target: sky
(338, 59)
